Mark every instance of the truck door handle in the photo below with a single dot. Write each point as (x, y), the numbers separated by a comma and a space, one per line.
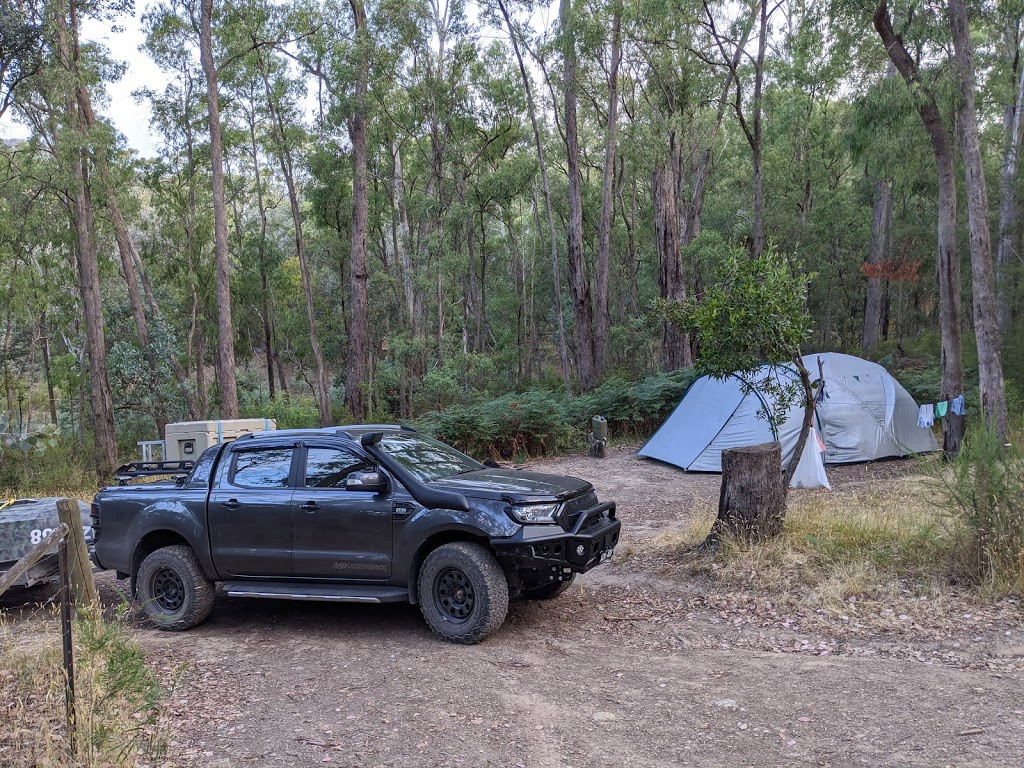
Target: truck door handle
(231, 503)
(309, 506)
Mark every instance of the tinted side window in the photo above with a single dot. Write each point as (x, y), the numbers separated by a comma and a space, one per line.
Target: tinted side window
(268, 468)
(328, 467)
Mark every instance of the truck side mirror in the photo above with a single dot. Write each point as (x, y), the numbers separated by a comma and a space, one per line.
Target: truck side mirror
(367, 481)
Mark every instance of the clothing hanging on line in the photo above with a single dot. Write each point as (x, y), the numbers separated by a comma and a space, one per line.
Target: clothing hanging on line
(957, 405)
(926, 416)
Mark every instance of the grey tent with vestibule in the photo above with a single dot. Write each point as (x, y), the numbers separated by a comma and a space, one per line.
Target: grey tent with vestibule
(861, 414)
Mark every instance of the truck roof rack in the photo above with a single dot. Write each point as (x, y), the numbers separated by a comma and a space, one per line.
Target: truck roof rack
(134, 469)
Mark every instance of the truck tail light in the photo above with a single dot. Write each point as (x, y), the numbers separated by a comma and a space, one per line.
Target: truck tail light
(94, 514)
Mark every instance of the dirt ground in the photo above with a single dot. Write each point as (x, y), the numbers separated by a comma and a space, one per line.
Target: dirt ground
(629, 668)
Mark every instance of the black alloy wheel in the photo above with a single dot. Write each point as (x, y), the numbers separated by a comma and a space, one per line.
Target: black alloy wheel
(454, 594)
(168, 589)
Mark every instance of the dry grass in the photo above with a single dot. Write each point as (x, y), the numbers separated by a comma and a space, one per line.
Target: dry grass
(884, 544)
(117, 696)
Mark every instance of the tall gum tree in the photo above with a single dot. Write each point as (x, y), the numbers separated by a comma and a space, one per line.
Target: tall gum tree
(603, 315)
(357, 364)
(227, 379)
(75, 141)
(983, 289)
(579, 284)
(1013, 126)
(949, 264)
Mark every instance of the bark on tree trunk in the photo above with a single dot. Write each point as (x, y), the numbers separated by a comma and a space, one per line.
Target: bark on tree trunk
(671, 280)
(579, 285)
(261, 256)
(413, 297)
(758, 145)
(1009, 236)
(986, 319)
(879, 235)
(358, 331)
(226, 376)
(44, 332)
(603, 325)
(201, 390)
(752, 501)
(105, 442)
(105, 449)
(948, 263)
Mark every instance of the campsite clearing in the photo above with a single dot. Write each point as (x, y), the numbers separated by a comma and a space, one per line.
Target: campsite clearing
(650, 661)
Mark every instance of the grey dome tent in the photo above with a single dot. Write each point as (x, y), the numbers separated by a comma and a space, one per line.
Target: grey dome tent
(864, 415)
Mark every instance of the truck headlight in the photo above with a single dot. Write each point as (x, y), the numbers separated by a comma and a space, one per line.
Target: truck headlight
(535, 513)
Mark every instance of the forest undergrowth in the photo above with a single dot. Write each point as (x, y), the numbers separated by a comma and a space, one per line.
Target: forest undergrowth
(929, 548)
(118, 697)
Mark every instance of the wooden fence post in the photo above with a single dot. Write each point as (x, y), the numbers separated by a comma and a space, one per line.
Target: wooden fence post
(82, 583)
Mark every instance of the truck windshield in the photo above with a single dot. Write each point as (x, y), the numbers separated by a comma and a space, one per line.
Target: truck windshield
(426, 458)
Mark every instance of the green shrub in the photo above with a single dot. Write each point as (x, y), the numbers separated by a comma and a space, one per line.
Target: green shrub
(633, 409)
(985, 488)
(288, 410)
(532, 423)
(118, 699)
(540, 421)
(63, 469)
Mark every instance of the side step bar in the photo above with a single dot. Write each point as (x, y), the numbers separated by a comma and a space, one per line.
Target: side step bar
(333, 593)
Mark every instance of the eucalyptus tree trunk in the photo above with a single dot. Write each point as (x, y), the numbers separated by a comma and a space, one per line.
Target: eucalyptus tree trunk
(104, 437)
(602, 328)
(125, 244)
(358, 330)
(1009, 236)
(757, 144)
(226, 376)
(44, 333)
(129, 258)
(323, 384)
(562, 350)
(261, 254)
(986, 319)
(948, 263)
(671, 279)
(876, 284)
(413, 298)
(579, 285)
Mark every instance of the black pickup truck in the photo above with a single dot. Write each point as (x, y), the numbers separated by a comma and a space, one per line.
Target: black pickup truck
(370, 513)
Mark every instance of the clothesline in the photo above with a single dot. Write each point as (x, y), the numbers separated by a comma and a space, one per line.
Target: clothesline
(929, 412)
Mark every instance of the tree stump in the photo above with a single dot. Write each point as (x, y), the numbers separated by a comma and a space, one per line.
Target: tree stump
(752, 504)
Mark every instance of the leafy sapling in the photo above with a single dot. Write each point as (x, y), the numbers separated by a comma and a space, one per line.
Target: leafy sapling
(755, 311)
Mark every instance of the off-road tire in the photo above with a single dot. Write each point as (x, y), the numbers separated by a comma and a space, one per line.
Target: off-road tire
(550, 590)
(172, 588)
(463, 592)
